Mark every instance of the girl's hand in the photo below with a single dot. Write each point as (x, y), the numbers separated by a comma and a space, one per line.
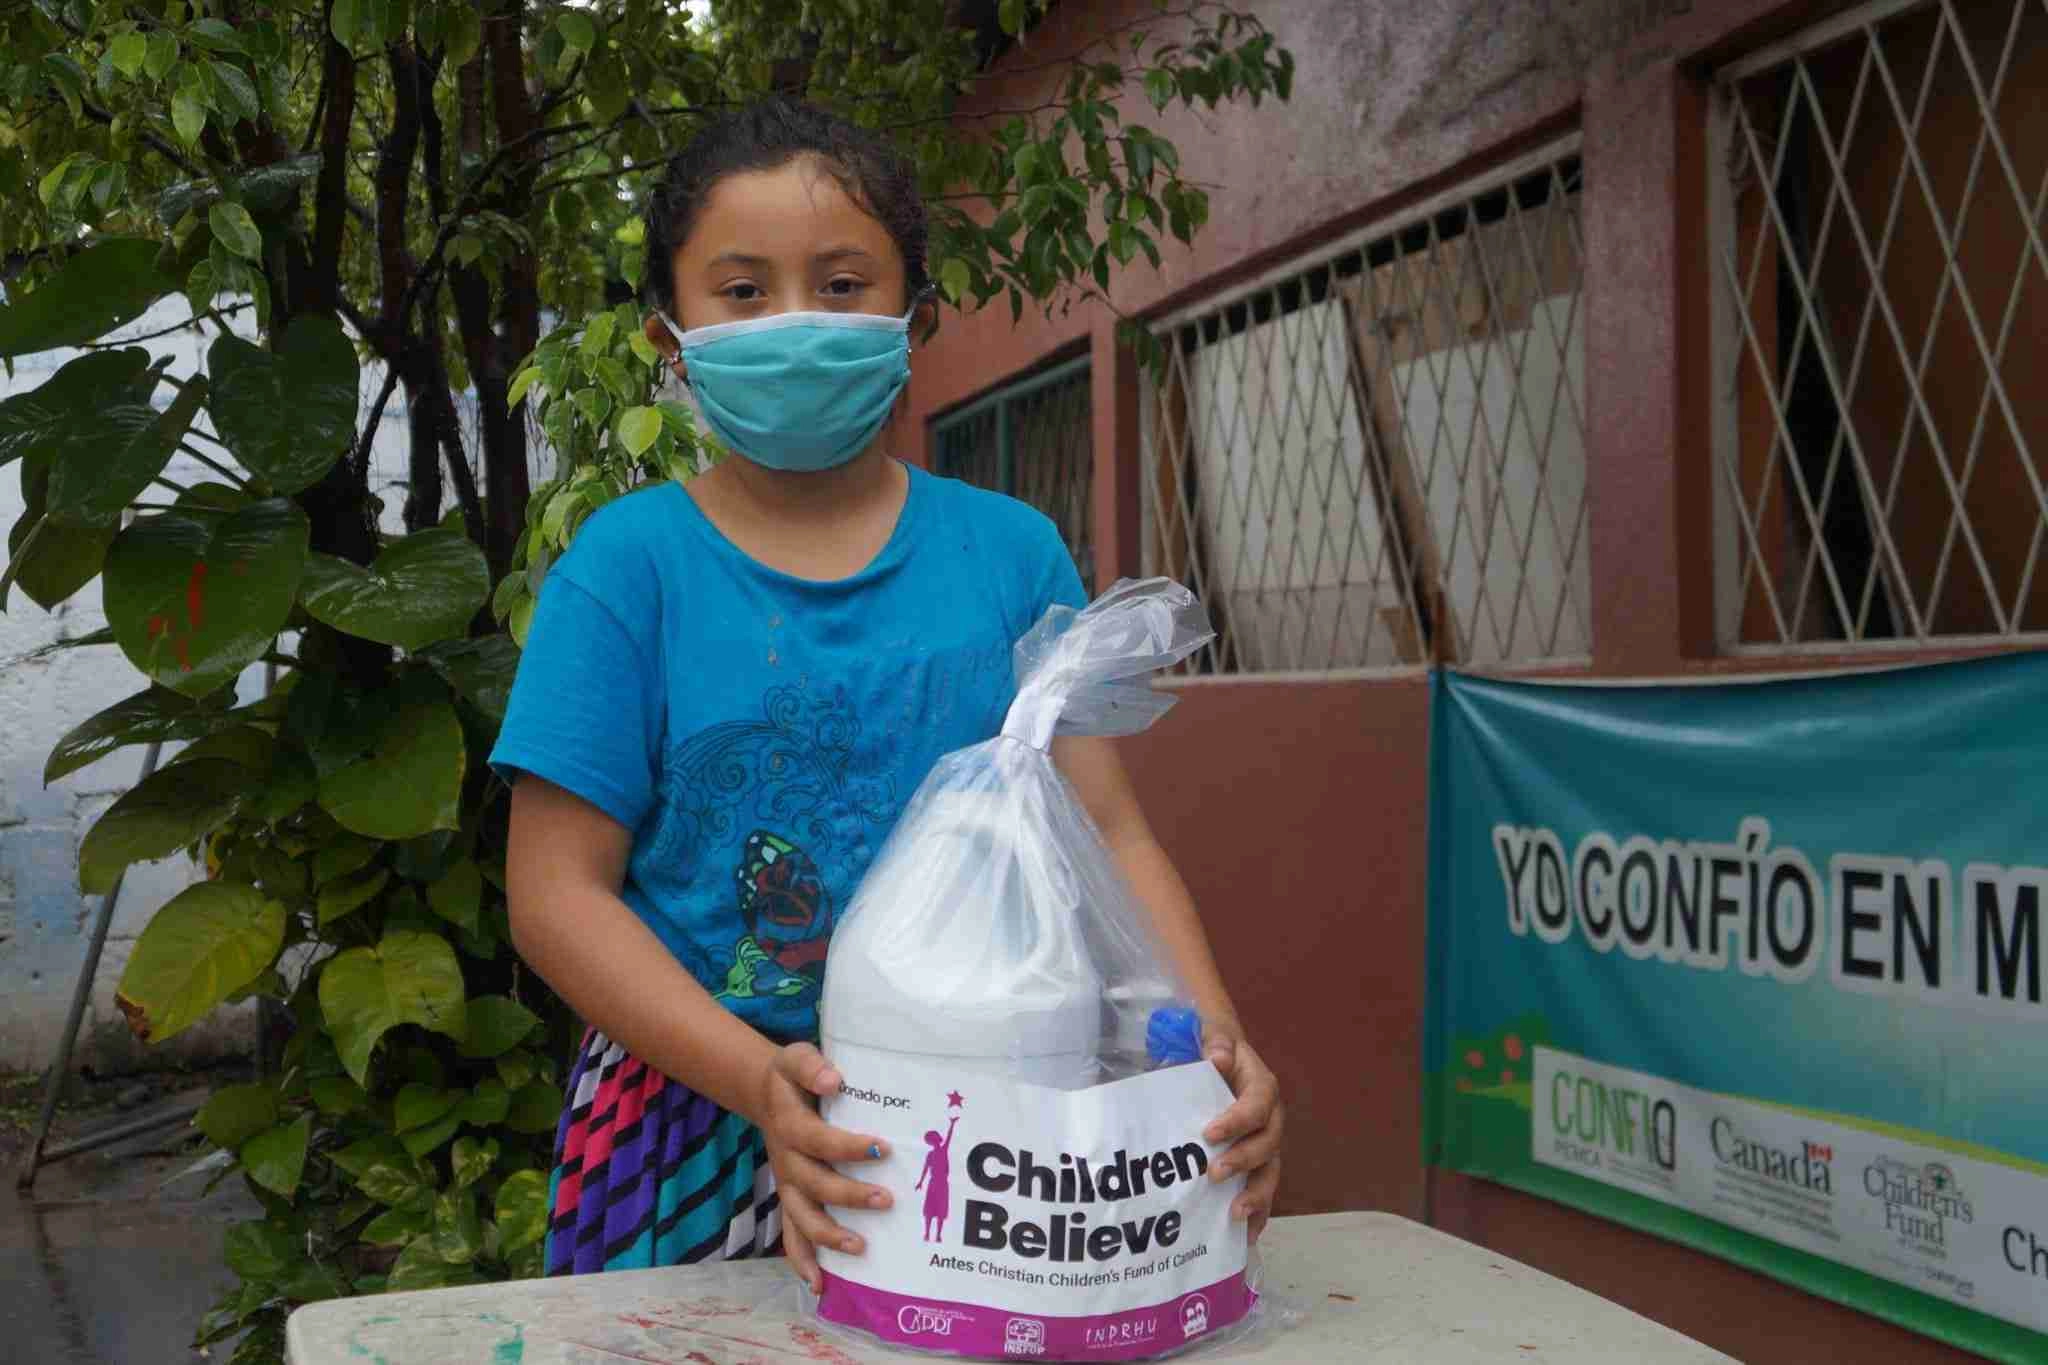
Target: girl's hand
(802, 1149)
(1252, 1126)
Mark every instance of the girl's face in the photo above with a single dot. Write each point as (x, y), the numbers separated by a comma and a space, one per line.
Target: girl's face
(782, 241)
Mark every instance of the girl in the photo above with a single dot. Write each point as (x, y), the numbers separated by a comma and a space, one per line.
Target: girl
(729, 693)
(936, 1181)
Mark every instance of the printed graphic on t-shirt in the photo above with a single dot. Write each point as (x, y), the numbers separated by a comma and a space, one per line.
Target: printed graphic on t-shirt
(788, 809)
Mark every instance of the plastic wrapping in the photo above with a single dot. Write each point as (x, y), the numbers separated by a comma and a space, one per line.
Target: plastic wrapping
(1005, 1017)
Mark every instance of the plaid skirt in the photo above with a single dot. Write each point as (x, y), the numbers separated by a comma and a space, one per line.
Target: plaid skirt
(649, 1173)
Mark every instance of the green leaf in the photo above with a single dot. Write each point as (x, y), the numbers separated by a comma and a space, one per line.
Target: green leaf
(188, 116)
(155, 714)
(464, 34)
(458, 1232)
(343, 855)
(487, 1105)
(516, 1069)
(111, 282)
(291, 785)
(422, 589)
(234, 94)
(208, 942)
(522, 1210)
(194, 598)
(277, 1159)
(52, 562)
(955, 277)
(458, 898)
(408, 780)
(342, 899)
(578, 32)
(345, 22)
(597, 335)
(536, 1108)
(1159, 87)
(262, 1252)
(419, 1266)
(421, 1141)
(313, 1282)
(408, 978)
(215, 35)
(336, 1095)
(169, 810)
(236, 230)
(521, 382)
(287, 414)
(497, 1023)
(638, 427)
(163, 54)
(129, 52)
(471, 1159)
(383, 1170)
(419, 1105)
(37, 424)
(395, 1226)
(234, 1114)
(103, 464)
(481, 671)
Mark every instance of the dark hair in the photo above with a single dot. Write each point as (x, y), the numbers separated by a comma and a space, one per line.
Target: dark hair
(772, 133)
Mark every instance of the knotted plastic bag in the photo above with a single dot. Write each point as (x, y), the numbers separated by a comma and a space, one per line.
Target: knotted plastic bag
(1004, 1015)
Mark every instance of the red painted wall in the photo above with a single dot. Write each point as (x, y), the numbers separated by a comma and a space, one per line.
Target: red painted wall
(1295, 809)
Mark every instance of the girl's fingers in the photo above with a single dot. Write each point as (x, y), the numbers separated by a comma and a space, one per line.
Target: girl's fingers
(815, 1138)
(825, 1186)
(802, 1212)
(806, 1068)
(1253, 1152)
(1258, 1096)
(796, 1248)
(1255, 1205)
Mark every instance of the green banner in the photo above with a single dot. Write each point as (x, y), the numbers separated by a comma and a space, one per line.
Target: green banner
(1758, 967)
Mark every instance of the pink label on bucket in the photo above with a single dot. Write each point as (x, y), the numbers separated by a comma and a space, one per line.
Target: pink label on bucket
(993, 1333)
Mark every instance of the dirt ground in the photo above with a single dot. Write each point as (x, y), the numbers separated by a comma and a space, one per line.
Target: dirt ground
(114, 1255)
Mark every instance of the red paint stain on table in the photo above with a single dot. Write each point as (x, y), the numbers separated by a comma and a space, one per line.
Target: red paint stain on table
(816, 1347)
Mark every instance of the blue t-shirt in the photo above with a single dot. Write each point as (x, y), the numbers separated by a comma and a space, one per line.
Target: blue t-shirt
(759, 734)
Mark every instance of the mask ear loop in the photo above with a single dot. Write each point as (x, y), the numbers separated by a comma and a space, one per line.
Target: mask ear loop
(673, 364)
(928, 294)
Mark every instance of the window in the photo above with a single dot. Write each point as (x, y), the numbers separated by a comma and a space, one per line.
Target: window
(1878, 186)
(1377, 457)
(1034, 440)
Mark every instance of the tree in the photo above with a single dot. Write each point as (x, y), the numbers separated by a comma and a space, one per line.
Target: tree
(423, 184)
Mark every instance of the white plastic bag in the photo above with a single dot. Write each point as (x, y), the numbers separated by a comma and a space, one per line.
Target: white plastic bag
(1004, 1017)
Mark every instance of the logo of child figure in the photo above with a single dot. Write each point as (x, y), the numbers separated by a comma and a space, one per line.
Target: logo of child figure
(936, 1182)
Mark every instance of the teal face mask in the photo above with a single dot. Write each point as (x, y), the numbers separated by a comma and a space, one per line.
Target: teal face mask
(797, 391)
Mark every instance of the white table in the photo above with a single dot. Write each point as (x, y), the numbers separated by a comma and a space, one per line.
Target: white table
(1354, 1287)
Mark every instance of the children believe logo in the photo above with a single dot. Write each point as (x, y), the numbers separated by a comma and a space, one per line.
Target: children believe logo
(1067, 1235)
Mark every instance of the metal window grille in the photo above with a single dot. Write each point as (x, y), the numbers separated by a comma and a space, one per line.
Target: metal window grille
(1034, 440)
(1378, 458)
(1880, 275)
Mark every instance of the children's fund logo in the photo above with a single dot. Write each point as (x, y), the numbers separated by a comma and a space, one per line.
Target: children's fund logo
(1194, 1316)
(1920, 1201)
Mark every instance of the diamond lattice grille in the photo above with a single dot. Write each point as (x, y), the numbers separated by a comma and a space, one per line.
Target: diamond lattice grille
(1034, 441)
(1379, 457)
(1881, 277)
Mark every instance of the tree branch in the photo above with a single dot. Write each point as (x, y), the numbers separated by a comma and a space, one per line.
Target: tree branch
(330, 205)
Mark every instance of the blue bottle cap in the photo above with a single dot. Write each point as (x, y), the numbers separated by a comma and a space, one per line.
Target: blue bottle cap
(1173, 1037)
